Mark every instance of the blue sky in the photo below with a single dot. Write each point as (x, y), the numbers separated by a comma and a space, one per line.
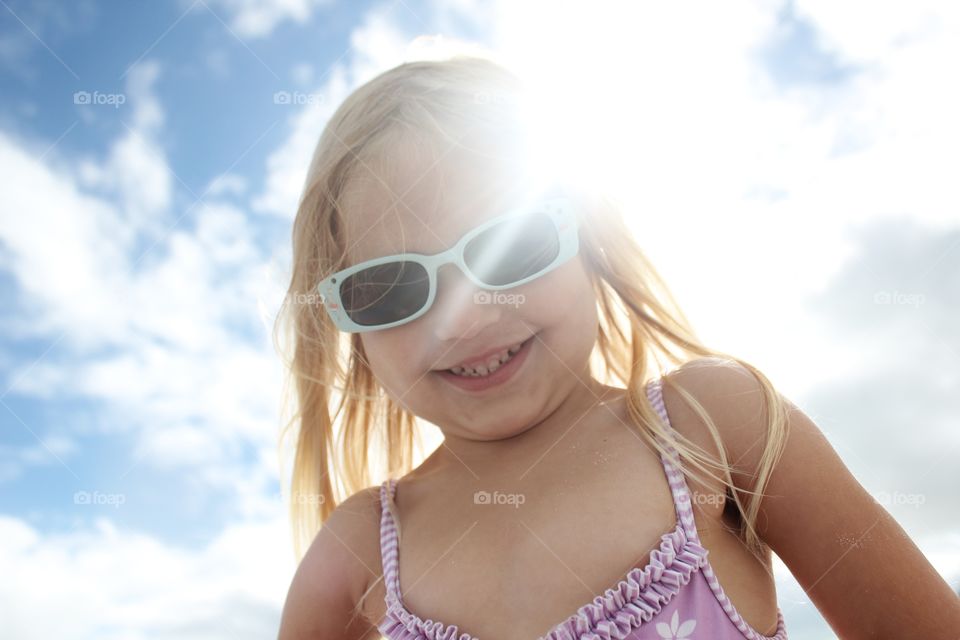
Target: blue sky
(144, 248)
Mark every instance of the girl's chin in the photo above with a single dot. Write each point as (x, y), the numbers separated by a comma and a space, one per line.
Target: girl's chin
(495, 433)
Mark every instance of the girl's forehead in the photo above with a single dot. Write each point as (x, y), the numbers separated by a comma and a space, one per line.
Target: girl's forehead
(421, 214)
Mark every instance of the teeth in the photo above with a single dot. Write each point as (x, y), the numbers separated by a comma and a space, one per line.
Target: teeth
(494, 363)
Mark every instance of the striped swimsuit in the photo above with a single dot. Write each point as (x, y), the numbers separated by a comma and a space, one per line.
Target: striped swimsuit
(675, 597)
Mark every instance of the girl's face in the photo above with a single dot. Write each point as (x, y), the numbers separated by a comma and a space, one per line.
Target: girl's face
(557, 310)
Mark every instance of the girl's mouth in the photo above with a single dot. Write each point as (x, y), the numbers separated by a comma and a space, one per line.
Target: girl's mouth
(483, 378)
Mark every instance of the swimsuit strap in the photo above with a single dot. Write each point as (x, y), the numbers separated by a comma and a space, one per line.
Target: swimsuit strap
(671, 465)
(389, 538)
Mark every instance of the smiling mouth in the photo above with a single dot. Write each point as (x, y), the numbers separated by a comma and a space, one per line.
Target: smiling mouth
(479, 369)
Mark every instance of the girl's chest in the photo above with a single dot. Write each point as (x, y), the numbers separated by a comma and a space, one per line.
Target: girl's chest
(536, 550)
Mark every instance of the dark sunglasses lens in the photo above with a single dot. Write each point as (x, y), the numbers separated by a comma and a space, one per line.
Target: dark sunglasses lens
(513, 250)
(385, 293)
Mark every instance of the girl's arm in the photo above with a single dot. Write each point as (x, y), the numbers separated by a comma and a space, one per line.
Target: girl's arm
(865, 575)
(334, 573)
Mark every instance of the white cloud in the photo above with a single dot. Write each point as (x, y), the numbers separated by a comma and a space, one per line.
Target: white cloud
(891, 28)
(258, 18)
(226, 184)
(136, 171)
(152, 345)
(75, 259)
(63, 248)
(53, 447)
(156, 323)
(302, 73)
(103, 582)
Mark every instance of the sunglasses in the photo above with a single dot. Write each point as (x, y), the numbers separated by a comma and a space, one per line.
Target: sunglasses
(504, 252)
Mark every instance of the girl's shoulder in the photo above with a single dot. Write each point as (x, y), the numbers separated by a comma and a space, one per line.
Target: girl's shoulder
(729, 392)
(732, 397)
(336, 570)
(357, 522)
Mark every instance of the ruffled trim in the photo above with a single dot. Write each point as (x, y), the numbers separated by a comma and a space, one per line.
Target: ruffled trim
(637, 598)
(401, 624)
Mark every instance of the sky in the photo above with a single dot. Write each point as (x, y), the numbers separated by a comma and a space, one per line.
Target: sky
(790, 167)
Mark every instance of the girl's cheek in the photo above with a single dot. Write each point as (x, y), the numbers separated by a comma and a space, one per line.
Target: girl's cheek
(558, 292)
(387, 354)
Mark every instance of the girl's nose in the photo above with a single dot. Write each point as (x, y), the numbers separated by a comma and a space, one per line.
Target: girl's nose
(461, 309)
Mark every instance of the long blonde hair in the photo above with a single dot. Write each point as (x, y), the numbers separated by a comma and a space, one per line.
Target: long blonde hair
(642, 330)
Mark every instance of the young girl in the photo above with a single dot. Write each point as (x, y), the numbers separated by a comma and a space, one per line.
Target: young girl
(456, 284)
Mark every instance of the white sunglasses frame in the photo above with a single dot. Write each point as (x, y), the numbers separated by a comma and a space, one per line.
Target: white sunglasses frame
(560, 210)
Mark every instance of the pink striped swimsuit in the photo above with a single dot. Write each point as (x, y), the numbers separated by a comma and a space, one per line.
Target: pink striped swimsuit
(675, 597)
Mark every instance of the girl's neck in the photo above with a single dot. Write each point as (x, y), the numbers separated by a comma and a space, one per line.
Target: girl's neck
(513, 456)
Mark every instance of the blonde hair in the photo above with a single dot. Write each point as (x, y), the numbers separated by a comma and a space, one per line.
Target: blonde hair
(642, 330)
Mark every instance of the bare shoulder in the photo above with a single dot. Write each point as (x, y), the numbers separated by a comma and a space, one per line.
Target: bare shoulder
(341, 563)
(726, 390)
(733, 398)
(846, 551)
